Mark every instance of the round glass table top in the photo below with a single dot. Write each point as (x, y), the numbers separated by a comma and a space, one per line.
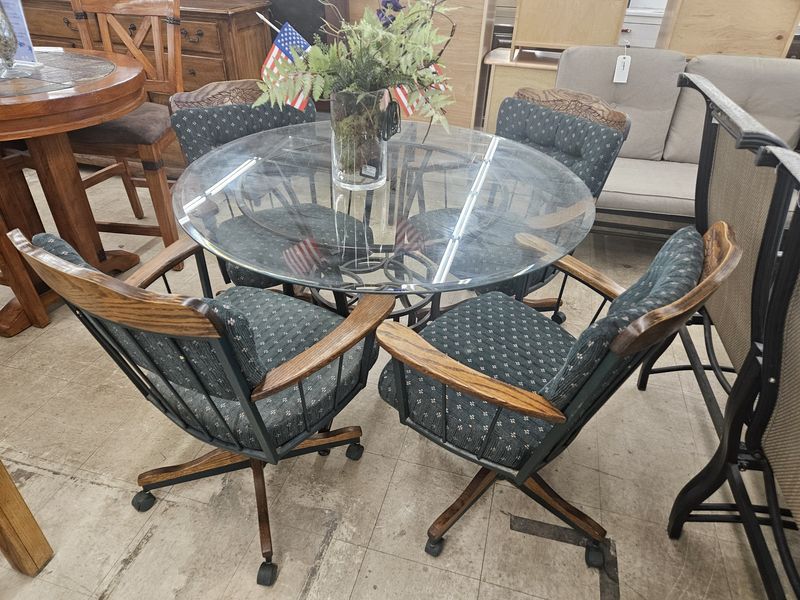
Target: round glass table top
(450, 217)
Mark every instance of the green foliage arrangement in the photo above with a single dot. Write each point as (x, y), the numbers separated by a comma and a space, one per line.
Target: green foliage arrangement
(395, 45)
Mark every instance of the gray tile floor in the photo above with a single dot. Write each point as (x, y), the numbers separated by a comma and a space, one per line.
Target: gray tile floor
(74, 435)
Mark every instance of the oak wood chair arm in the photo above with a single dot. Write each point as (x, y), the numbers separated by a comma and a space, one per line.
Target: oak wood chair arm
(370, 311)
(589, 276)
(162, 262)
(408, 347)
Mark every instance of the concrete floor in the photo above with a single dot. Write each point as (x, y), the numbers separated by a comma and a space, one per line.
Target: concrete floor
(74, 434)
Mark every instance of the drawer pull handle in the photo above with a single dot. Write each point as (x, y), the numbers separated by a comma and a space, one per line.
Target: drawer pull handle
(132, 29)
(194, 39)
(626, 30)
(69, 25)
(192, 72)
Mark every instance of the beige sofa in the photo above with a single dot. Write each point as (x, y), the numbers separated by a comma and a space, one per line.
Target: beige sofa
(654, 176)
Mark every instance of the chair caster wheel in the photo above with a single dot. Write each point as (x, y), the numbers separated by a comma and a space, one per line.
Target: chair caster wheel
(434, 548)
(143, 501)
(354, 451)
(559, 317)
(267, 573)
(595, 557)
(324, 452)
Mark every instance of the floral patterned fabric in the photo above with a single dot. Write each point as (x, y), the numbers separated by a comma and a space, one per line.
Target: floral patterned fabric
(505, 339)
(589, 149)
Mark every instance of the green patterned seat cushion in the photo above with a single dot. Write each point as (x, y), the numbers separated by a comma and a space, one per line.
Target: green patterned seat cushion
(265, 329)
(507, 340)
(500, 337)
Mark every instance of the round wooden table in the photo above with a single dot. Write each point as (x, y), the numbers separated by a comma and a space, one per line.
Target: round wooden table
(72, 89)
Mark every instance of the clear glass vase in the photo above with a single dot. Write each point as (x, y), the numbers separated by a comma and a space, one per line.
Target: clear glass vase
(358, 147)
(8, 49)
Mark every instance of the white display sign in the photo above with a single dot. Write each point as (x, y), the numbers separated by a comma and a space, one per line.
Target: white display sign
(25, 52)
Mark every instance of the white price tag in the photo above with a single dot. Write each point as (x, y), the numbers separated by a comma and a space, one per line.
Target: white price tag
(622, 69)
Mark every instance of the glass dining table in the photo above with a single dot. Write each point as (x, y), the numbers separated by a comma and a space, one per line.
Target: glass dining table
(448, 218)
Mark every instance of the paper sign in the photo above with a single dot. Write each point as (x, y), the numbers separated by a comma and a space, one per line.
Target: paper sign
(13, 9)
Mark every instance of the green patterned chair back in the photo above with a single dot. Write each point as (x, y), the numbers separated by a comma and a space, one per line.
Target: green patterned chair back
(588, 148)
(200, 130)
(732, 188)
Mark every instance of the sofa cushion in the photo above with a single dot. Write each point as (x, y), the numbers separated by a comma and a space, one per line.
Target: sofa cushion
(648, 98)
(767, 88)
(650, 186)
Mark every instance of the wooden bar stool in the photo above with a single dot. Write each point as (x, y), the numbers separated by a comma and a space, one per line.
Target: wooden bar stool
(145, 133)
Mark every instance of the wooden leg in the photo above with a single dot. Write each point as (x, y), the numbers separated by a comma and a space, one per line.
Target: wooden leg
(66, 196)
(479, 484)
(21, 540)
(211, 463)
(156, 176)
(537, 488)
(130, 189)
(263, 511)
(17, 211)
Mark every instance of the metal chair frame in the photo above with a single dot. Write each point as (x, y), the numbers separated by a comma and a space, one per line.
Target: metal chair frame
(753, 397)
(723, 116)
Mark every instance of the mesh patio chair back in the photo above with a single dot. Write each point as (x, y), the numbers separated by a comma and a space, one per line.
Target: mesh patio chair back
(732, 188)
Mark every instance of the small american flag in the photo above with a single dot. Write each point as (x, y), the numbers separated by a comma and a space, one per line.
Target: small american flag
(303, 256)
(286, 40)
(402, 93)
(407, 237)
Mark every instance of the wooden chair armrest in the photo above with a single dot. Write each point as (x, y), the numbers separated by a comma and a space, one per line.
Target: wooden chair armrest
(410, 348)
(162, 262)
(600, 283)
(370, 311)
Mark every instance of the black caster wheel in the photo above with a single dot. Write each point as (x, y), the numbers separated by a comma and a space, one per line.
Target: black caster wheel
(595, 557)
(354, 451)
(267, 573)
(143, 501)
(434, 548)
(324, 452)
(559, 317)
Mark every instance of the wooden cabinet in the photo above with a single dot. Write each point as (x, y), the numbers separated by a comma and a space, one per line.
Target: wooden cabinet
(219, 40)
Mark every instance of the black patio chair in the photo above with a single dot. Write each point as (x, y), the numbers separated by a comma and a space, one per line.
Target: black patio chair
(255, 374)
(733, 188)
(762, 414)
(501, 385)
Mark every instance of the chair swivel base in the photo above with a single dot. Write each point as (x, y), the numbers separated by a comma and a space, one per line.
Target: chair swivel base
(220, 461)
(537, 489)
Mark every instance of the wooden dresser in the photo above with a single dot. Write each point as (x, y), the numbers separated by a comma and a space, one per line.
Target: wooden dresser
(220, 39)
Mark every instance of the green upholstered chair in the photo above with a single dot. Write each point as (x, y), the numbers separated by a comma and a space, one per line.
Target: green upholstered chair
(200, 129)
(507, 388)
(587, 147)
(255, 374)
